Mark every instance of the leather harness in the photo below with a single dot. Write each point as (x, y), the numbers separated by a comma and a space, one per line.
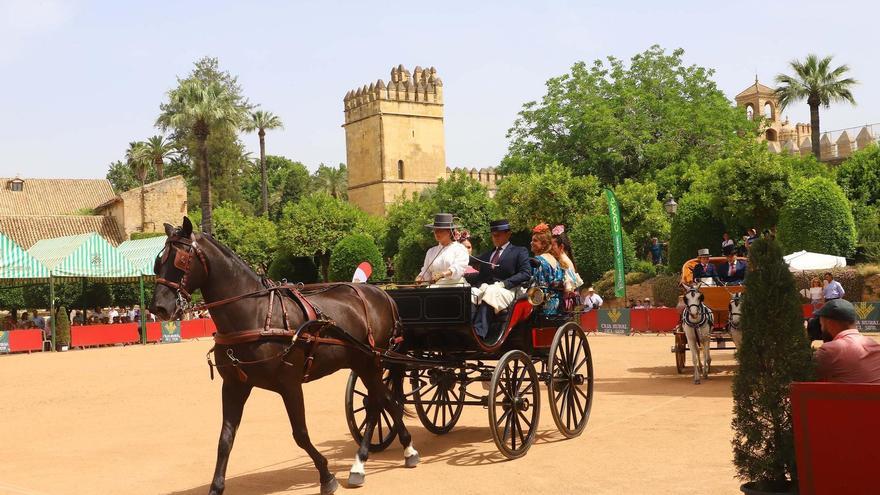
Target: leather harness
(304, 336)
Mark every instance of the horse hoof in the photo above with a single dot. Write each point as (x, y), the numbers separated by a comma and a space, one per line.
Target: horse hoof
(356, 479)
(412, 461)
(328, 487)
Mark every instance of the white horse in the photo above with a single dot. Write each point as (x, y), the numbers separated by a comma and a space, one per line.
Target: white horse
(733, 319)
(697, 321)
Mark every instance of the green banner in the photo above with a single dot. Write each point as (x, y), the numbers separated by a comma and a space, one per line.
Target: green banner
(617, 238)
(614, 320)
(171, 331)
(4, 342)
(869, 316)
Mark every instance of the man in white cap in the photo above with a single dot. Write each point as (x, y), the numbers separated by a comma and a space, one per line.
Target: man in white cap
(591, 300)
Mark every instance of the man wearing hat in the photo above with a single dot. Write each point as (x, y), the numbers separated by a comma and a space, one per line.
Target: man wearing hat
(501, 271)
(703, 271)
(732, 271)
(849, 357)
(590, 299)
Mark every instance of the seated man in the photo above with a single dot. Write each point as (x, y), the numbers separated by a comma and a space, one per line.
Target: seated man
(704, 271)
(849, 357)
(501, 271)
(732, 271)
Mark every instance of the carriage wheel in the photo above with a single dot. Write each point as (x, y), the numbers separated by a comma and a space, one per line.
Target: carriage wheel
(570, 383)
(680, 346)
(514, 404)
(356, 414)
(437, 398)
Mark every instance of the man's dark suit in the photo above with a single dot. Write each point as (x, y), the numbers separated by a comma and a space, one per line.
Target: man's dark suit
(738, 276)
(702, 271)
(512, 268)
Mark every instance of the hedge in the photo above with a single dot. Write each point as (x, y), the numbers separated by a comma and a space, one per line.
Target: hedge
(817, 217)
(666, 290)
(145, 235)
(349, 252)
(593, 248)
(294, 269)
(694, 227)
(62, 327)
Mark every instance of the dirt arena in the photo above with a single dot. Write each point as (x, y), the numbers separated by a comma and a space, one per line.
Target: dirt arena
(145, 419)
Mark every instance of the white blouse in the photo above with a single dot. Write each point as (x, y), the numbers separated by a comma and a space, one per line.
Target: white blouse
(453, 257)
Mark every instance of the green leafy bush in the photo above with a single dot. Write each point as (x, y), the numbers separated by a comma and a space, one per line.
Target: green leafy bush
(145, 235)
(646, 267)
(593, 248)
(294, 269)
(775, 351)
(62, 327)
(350, 252)
(859, 176)
(666, 290)
(817, 217)
(694, 227)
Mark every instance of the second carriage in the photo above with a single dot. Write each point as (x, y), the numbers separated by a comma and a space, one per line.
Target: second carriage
(718, 298)
(448, 366)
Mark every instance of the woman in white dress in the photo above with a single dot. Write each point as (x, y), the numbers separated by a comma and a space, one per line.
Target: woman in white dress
(446, 262)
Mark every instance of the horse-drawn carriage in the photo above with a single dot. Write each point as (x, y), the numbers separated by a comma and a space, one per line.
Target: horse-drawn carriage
(722, 300)
(448, 367)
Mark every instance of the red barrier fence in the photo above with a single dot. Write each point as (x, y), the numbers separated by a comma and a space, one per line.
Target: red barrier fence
(25, 340)
(119, 333)
(836, 455)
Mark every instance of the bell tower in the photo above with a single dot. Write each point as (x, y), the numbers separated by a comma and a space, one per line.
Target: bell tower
(394, 138)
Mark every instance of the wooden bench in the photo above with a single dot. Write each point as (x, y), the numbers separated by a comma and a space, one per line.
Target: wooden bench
(837, 437)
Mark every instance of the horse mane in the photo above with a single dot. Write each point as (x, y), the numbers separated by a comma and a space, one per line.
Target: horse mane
(232, 254)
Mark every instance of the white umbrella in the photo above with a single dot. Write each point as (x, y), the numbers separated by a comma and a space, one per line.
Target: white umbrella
(805, 260)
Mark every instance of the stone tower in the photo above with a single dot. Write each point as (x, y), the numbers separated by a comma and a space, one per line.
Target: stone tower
(394, 138)
(760, 101)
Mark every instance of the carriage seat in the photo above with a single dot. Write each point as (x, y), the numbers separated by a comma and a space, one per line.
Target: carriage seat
(518, 310)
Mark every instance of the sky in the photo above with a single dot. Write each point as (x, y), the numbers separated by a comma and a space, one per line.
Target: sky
(79, 80)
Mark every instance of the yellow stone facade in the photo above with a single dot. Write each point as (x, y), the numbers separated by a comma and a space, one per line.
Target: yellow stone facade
(166, 202)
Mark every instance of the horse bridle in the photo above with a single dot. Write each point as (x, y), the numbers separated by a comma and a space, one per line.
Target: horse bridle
(182, 261)
(704, 315)
(731, 313)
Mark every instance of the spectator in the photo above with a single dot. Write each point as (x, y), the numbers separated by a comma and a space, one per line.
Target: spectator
(656, 251)
(591, 300)
(647, 303)
(726, 242)
(816, 293)
(752, 237)
(25, 321)
(132, 314)
(38, 321)
(833, 289)
(849, 357)
(113, 315)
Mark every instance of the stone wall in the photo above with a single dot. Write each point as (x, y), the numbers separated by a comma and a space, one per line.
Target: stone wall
(166, 201)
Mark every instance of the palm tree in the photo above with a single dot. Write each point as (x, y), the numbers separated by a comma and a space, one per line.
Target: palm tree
(138, 158)
(261, 121)
(197, 107)
(816, 82)
(159, 148)
(333, 181)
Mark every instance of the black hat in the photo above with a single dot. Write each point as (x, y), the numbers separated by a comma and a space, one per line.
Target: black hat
(499, 225)
(443, 221)
(727, 251)
(838, 309)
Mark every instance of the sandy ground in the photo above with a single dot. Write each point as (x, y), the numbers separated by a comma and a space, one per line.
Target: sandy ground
(145, 419)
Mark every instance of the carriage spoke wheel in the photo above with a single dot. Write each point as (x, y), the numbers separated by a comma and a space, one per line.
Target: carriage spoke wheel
(570, 383)
(356, 401)
(680, 346)
(514, 404)
(438, 399)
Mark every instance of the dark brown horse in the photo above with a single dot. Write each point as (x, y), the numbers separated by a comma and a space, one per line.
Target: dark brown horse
(256, 321)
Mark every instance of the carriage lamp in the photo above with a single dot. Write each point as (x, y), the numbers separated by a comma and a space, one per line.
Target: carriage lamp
(670, 206)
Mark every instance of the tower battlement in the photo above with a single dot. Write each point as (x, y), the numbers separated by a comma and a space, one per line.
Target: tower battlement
(419, 86)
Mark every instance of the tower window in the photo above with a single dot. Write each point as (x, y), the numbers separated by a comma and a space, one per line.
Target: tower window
(768, 111)
(400, 169)
(750, 111)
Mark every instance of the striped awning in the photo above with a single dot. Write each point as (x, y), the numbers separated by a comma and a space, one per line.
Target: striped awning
(84, 255)
(16, 265)
(142, 252)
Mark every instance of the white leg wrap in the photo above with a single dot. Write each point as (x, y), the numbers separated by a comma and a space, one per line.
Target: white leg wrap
(358, 466)
(409, 451)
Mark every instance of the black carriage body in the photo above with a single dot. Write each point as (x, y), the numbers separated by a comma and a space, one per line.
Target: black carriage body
(439, 320)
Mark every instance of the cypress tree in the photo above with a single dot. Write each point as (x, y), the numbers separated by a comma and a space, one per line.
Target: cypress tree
(775, 351)
(62, 327)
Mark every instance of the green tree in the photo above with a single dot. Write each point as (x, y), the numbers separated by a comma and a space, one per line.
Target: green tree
(774, 353)
(642, 213)
(349, 252)
(616, 121)
(694, 227)
(294, 268)
(552, 194)
(139, 161)
(288, 182)
(262, 121)
(62, 327)
(468, 200)
(817, 82)
(747, 189)
(859, 176)
(204, 104)
(817, 217)
(313, 225)
(158, 149)
(11, 299)
(594, 249)
(331, 180)
(253, 238)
